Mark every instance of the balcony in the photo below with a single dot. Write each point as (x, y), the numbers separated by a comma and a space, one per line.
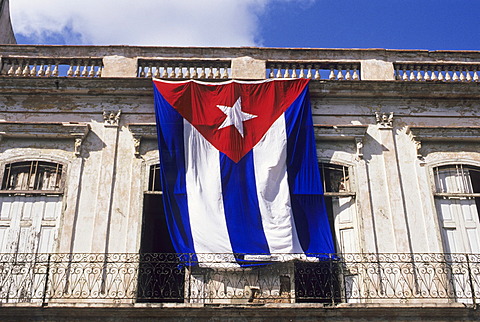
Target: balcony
(325, 279)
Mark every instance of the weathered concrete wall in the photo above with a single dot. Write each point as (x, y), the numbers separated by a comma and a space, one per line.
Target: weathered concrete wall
(105, 184)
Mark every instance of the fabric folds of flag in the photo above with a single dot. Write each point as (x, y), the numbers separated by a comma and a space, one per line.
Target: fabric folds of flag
(239, 169)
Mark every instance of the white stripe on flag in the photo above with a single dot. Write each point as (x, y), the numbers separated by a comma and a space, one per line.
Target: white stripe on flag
(204, 194)
(270, 155)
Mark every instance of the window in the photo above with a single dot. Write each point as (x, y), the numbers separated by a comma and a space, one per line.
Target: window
(30, 206)
(30, 209)
(32, 176)
(340, 202)
(320, 282)
(457, 198)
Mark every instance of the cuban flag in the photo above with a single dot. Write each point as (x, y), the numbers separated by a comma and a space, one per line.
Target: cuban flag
(239, 168)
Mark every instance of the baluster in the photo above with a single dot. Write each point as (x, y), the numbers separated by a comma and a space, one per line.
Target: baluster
(455, 75)
(309, 72)
(419, 75)
(202, 73)
(469, 76)
(425, 73)
(48, 70)
(441, 78)
(26, 69)
(355, 73)
(217, 73)
(294, 71)
(397, 72)
(317, 72)
(85, 69)
(33, 70)
(302, 72)
(91, 72)
(448, 77)
(210, 73)
(462, 76)
(11, 71)
(55, 70)
(405, 76)
(332, 74)
(412, 73)
(99, 71)
(149, 71)
(286, 74)
(434, 75)
(475, 75)
(194, 74)
(180, 71)
(165, 71)
(187, 72)
(172, 73)
(157, 71)
(225, 72)
(348, 76)
(340, 73)
(272, 72)
(41, 70)
(279, 71)
(18, 72)
(77, 70)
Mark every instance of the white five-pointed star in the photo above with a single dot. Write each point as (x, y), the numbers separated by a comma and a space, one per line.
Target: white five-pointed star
(235, 116)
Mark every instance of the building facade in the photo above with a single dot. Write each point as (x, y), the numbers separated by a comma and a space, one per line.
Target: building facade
(81, 221)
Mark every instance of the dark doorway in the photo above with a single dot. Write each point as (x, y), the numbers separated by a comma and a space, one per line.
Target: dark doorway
(161, 277)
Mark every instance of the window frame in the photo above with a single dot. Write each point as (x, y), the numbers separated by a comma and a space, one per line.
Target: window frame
(61, 183)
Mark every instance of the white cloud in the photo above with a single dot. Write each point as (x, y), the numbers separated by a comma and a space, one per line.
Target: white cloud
(141, 22)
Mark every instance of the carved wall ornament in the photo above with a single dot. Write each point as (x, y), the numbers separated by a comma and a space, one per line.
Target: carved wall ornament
(384, 120)
(111, 118)
(359, 145)
(78, 146)
(136, 144)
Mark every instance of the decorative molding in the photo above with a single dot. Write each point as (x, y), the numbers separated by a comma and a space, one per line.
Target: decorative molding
(111, 118)
(420, 134)
(354, 133)
(47, 131)
(141, 132)
(137, 140)
(384, 120)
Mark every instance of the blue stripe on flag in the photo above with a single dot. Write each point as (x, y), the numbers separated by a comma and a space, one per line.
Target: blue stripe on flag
(172, 171)
(240, 201)
(306, 191)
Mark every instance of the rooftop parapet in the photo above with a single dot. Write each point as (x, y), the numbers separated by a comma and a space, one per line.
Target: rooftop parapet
(239, 63)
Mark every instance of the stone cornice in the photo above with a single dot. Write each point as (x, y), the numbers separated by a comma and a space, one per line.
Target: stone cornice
(461, 134)
(234, 52)
(318, 89)
(49, 131)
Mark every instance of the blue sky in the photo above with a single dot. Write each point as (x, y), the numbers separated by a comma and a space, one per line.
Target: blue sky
(394, 24)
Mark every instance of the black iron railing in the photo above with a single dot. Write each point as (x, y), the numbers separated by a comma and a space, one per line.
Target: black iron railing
(222, 278)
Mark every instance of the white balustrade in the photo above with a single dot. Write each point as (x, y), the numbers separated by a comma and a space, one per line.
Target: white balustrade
(317, 71)
(462, 72)
(184, 69)
(48, 67)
